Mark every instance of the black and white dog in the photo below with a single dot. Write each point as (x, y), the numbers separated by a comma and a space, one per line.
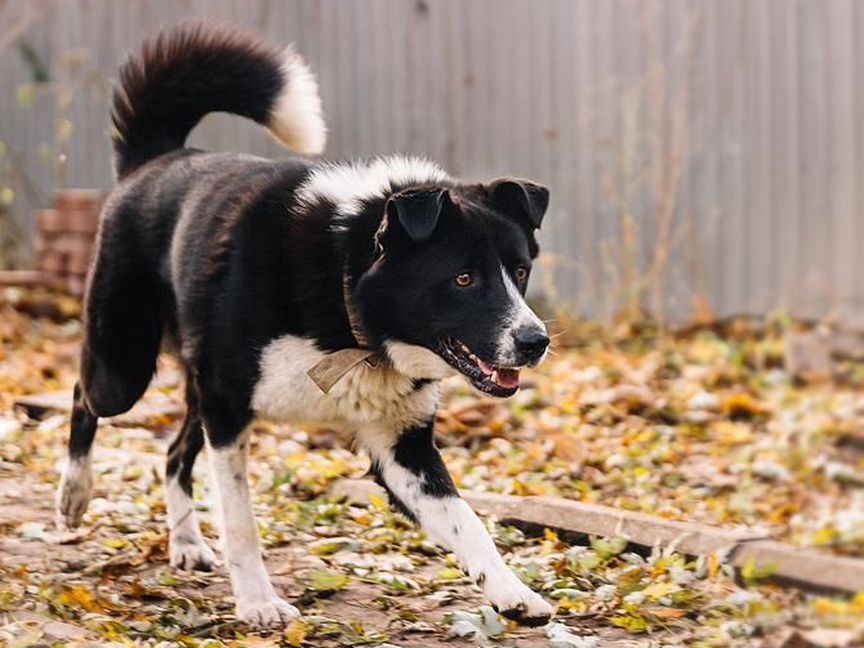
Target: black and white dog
(296, 290)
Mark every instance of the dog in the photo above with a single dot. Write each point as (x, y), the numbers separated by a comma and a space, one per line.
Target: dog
(295, 290)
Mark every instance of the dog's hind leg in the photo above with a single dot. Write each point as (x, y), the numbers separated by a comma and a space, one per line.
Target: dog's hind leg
(76, 482)
(187, 547)
(124, 323)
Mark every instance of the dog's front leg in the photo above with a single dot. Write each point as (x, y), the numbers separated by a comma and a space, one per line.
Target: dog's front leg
(407, 463)
(256, 601)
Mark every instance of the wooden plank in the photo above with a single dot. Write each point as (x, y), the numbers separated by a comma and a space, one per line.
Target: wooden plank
(594, 519)
(802, 567)
(22, 278)
(37, 405)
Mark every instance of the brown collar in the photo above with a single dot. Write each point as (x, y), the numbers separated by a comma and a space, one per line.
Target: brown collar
(351, 310)
(333, 366)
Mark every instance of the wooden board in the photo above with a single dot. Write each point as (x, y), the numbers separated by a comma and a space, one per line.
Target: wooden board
(816, 569)
(22, 278)
(802, 567)
(142, 413)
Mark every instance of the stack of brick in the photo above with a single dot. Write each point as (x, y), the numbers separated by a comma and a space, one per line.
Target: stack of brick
(65, 237)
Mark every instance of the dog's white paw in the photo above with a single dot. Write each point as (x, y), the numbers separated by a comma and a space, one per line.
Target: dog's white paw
(191, 553)
(514, 600)
(73, 494)
(271, 612)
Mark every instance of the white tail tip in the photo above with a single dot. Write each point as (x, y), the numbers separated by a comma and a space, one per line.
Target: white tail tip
(297, 118)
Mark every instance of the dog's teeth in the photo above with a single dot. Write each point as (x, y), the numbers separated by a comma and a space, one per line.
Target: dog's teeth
(495, 376)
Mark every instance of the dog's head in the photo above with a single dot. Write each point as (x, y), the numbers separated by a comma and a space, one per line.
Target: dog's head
(447, 289)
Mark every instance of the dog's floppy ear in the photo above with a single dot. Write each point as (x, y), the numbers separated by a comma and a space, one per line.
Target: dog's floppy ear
(520, 198)
(416, 211)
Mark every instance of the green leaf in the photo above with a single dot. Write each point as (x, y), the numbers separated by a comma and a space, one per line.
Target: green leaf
(7, 196)
(632, 624)
(26, 94)
(327, 581)
(752, 573)
(608, 547)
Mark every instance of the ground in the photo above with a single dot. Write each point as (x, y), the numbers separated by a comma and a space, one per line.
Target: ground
(704, 426)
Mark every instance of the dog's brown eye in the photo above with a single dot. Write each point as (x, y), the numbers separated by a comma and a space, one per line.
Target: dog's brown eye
(464, 279)
(521, 273)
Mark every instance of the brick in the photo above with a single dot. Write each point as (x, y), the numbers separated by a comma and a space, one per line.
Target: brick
(86, 200)
(41, 246)
(75, 284)
(49, 221)
(78, 264)
(81, 222)
(53, 263)
(72, 243)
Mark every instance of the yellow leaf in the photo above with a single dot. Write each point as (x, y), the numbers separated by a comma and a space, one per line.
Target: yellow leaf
(160, 420)
(729, 433)
(449, 573)
(831, 607)
(659, 590)
(377, 502)
(743, 406)
(131, 473)
(79, 597)
(633, 624)
(714, 564)
(115, 543)
(7, 196)
(296, 632)
(566, 605)
(251, 641)
(824, 537)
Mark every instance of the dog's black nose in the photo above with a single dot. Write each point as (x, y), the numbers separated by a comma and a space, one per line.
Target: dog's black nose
(531, 342)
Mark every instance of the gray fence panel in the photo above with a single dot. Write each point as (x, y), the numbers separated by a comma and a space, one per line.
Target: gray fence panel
(700, 152)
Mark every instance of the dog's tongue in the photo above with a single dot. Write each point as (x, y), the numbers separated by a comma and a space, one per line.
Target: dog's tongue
(508, 378)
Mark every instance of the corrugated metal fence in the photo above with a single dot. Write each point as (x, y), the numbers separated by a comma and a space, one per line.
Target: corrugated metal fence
(702, 152)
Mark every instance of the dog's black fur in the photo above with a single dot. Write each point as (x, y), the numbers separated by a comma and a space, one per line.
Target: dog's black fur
(251, 262)
(252, 268)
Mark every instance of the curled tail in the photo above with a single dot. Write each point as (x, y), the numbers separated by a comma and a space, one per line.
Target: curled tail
(186, 73)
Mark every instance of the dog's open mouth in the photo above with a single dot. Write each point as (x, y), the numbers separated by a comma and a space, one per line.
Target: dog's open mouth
(489, 379)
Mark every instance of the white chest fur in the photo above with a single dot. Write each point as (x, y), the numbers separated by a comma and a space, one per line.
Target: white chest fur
(285, 392)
